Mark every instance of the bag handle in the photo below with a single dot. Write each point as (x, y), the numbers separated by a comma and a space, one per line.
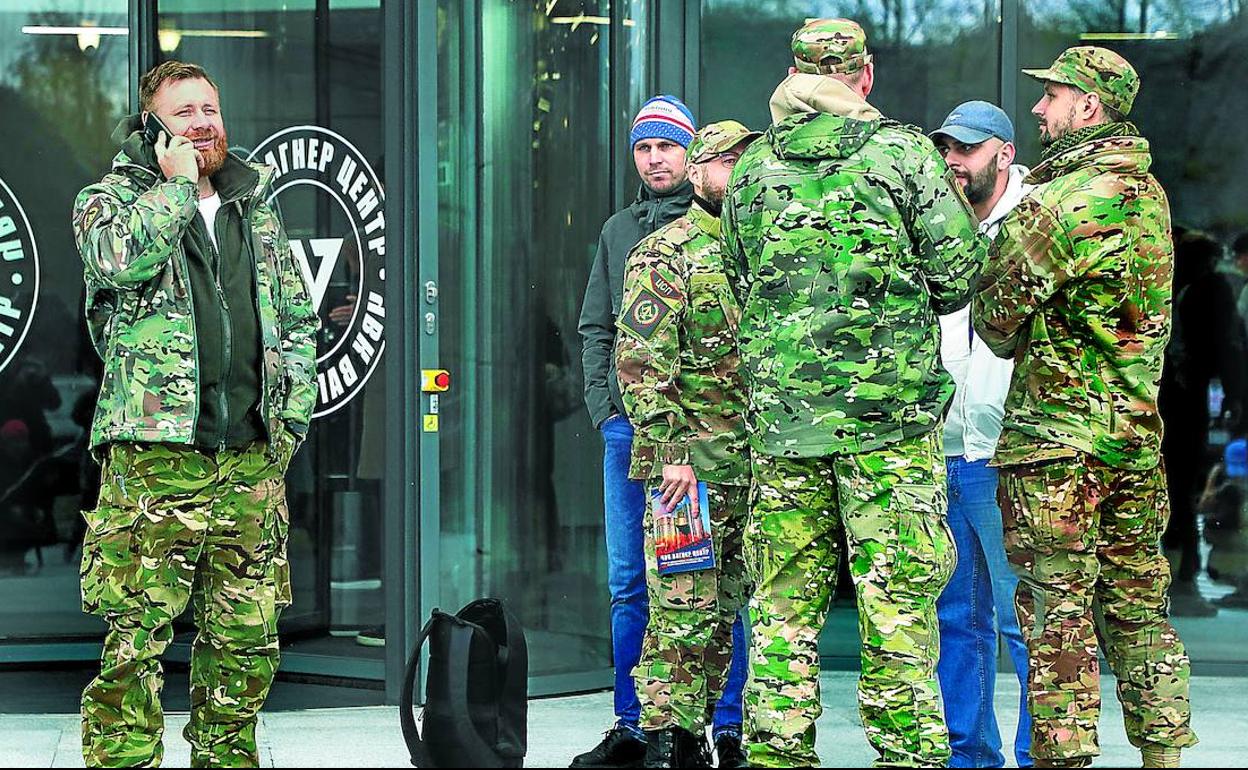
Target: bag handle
(416, 748)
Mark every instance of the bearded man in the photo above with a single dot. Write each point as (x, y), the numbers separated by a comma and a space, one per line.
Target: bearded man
(206, 329)
(1078, 292)
(977, 607)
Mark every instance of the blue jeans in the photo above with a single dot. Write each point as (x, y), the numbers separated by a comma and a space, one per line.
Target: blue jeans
(982, 586)
(625, 503)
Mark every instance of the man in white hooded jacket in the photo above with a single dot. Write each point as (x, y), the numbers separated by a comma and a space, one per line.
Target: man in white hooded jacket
(977, 143)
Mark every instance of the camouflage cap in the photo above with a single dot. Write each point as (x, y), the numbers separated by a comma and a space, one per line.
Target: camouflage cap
(1097, 71)
(830, 47)
(716, 138)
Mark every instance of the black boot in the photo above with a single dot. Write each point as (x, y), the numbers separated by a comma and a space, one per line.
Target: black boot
(676, 747)
(620, 747)
(729, 752)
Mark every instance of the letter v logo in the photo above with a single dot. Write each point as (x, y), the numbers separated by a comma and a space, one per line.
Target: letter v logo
(326, 250)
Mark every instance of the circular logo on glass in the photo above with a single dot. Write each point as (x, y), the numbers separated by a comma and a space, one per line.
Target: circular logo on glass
(333, 207)
(19, 275)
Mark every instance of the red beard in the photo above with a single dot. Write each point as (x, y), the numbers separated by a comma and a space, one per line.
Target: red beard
(213, 158)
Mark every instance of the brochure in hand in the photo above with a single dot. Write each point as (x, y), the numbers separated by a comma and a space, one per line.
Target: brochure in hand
(682, 542)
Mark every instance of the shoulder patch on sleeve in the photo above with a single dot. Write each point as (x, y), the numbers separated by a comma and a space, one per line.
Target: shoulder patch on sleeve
(646, 314)
(664, 288)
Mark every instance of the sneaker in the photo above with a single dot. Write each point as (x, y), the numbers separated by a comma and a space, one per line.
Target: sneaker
(676, 747)
(1186, 601)
(620, 747)
(729, 752)
(372, 637)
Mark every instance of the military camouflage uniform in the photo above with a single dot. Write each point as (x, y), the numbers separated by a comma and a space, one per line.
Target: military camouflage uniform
(844, 236)
(678, 367)
(177, 523)
(1080, 297)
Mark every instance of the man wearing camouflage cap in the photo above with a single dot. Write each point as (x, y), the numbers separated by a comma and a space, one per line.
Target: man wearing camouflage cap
(660, 137)
(1079, 295)
(844, 236)
(676, 355)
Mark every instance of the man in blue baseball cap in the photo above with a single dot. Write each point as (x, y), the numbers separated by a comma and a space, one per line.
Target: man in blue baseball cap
(977, 142)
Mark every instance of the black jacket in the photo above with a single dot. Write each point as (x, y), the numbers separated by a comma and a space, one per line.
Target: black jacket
(604, 293)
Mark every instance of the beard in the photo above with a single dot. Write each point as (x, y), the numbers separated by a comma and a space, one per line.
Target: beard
(1060, 128)
(714, 193)
(982, 183)
(213, 158)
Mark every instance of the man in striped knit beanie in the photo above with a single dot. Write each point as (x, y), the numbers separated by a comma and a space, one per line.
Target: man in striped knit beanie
(662, 130)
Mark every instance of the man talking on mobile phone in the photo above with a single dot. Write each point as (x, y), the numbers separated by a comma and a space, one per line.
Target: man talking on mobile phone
(206, 330)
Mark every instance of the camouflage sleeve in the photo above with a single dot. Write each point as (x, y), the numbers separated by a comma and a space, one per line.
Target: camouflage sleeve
(647, 351)
(297, 322)
(735, 268)
(946, 236)
(1032, 259)
(127, 243)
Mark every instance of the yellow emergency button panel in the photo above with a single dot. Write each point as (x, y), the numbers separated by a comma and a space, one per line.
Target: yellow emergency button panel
(435, 380)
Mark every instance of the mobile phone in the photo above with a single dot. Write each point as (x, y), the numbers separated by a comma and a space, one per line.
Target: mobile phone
(153, 128)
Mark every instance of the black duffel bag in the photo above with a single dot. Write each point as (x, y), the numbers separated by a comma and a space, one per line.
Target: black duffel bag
(476, 690)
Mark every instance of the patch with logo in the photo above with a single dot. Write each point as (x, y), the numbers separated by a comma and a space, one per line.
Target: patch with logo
(664, 288)
(645, 315)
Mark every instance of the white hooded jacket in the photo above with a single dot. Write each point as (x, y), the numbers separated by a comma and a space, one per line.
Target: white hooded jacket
(973, 423)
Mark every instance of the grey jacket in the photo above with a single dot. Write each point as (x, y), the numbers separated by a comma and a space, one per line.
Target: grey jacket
(605, 290)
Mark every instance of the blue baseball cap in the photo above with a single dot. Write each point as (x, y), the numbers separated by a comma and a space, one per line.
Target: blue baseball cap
(975, 122)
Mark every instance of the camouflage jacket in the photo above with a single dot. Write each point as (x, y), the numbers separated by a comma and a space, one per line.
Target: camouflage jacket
(676, 355)
(129, 229)
(1079, 296)
(844, 237)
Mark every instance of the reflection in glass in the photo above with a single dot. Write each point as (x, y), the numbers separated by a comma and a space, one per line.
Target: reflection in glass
(63, 87)
(929, 56)
(521, 492)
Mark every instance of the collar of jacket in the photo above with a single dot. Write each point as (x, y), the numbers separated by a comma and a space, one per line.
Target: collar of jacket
(237, 180)
(1118, 152)
(681, 194)
(805, 92)
(703, 219)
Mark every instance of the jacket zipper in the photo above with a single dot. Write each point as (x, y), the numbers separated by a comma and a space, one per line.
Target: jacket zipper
(223, 425)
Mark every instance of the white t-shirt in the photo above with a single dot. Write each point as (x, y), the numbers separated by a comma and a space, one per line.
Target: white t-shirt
(208, 208)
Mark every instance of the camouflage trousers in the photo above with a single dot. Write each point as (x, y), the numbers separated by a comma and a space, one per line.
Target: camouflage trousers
(891, 504)
(174, 527)
(687, 648)
(1079, 532)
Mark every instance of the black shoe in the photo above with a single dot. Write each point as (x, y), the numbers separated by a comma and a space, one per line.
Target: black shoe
(372, 637)
(676, 747)
(729, 752)
(620, 747)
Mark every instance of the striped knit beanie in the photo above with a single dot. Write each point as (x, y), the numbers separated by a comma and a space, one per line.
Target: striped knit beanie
(664, 117)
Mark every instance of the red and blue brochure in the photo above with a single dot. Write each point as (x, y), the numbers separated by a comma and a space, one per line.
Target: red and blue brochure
(682, 542)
